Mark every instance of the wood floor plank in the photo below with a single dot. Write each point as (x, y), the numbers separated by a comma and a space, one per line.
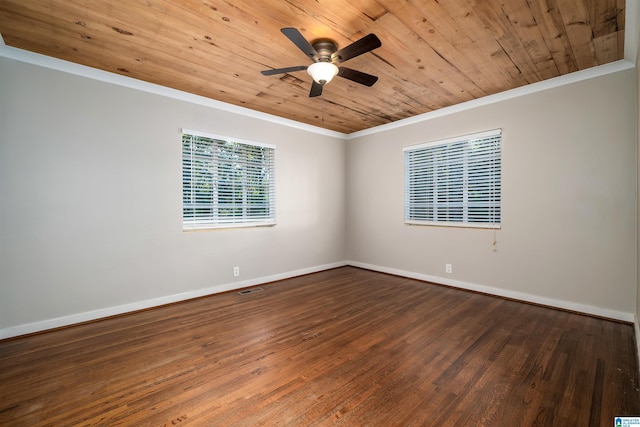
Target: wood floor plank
(343, 347)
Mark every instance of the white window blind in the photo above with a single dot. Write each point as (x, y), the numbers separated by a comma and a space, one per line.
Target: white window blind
(455, 181)
(226, 182)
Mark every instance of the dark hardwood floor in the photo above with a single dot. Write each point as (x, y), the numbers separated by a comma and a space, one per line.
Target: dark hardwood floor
(345, 347)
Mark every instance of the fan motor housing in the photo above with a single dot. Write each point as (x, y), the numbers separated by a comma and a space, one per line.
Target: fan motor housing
(325, 48)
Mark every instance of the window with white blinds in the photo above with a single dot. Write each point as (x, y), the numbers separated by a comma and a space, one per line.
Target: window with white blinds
(226, 182)
(455, 182)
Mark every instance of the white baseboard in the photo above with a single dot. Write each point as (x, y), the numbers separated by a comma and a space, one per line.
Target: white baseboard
(57, 322)
(72, 319)
(521, 296)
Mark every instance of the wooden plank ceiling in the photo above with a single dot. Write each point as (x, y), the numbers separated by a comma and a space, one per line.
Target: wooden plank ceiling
(434, 54)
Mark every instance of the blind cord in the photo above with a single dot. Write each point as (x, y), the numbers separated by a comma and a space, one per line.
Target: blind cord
(494, 243)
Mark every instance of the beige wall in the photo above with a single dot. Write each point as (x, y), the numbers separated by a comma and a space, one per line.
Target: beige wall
(90, 190)
(90, 199)
(569, 209)
(637, 308)
(632, 7)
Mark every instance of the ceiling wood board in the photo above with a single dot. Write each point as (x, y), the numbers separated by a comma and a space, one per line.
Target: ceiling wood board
(434, 54)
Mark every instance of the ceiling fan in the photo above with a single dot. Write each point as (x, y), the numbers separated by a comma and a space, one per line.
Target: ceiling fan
(325, 56)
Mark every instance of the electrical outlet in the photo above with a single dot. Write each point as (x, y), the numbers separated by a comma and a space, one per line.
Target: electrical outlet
(448, 268)
(236, 271)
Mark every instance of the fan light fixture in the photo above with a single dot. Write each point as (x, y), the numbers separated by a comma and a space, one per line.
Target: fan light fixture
(322, 72)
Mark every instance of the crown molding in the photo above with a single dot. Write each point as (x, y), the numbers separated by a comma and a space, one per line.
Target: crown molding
(577, 76)
(631, 30)
(631, 40)
(129, 82)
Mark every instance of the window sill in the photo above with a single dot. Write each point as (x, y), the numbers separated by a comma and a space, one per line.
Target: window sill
(455, 224)
(218, 227)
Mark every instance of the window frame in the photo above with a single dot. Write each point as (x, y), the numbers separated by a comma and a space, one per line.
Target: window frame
(458, 179)
(214, 221)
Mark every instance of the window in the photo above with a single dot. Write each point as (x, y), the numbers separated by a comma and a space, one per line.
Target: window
(454, 182)
(226, 182)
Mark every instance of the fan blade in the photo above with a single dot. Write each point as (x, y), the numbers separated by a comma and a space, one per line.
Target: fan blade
(357, 76)
(364, 45)
(316, 89)
(302, 43)
(283, 70)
